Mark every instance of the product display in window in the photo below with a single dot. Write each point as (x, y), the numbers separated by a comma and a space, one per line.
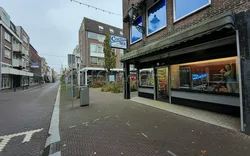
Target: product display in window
(218, 75)
(146, 77)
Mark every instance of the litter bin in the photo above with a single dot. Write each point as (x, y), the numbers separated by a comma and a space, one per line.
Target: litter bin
(84, 96)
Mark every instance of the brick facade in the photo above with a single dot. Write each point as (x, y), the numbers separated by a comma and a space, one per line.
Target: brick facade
(217, 7)
(4, 45)
(34, 57)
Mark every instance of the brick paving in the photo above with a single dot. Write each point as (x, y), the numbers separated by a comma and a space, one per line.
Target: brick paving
(112, 126)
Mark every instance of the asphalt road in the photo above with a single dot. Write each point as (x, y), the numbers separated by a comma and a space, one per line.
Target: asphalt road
(25, 119)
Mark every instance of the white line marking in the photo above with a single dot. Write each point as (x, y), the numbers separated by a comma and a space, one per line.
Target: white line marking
(171, 153)
(28, 134)
(106, 117)
(116, 116)
(128, 124)
(72, 126)
(144, 135)
(85, 123)
(96, 119)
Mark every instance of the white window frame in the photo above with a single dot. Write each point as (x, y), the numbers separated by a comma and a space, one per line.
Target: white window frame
(174, 9)
(130, 39)
(147, 18)
(5, 53)
(7, 36)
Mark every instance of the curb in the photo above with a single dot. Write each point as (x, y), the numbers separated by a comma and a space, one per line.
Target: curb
(52, 146)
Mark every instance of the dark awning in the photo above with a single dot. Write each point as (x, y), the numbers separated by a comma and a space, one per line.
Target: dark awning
(206, 27)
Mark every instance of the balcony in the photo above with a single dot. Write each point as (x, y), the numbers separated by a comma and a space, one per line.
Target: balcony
(17, 47)
(18, 63)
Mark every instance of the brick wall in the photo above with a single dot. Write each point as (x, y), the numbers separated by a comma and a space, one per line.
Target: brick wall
(217, 7)
(8, 44)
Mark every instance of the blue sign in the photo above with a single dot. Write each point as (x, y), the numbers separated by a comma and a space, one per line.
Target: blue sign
(35, 65)
(118, 42)
(197, 76)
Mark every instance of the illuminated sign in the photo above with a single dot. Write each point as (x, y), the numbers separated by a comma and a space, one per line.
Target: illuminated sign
(197, 76)
(118, 42)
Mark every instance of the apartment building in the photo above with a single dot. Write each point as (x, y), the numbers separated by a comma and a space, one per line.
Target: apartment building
(194, 53)
(14, 44)
(35, 68)
(91, 38)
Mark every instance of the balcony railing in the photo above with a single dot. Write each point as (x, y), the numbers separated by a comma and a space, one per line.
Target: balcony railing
(18, 63)
(17, 47)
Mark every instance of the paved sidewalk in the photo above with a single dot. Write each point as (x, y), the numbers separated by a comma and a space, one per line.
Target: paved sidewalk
(20, 89)
(112, 126)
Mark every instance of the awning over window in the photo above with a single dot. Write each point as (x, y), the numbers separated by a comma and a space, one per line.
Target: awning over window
(206, 27)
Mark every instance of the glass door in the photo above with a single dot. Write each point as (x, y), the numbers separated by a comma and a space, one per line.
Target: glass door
(162, 84)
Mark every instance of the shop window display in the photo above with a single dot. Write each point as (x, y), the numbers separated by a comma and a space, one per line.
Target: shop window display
(146, 77)
(219, 75)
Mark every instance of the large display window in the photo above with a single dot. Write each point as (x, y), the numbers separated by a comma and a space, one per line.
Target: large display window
(146, 77)
(219, 75)
(135, 35)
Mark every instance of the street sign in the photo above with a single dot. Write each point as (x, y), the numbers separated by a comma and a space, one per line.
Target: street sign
(35, 65)
(118, 42)
(71, 61)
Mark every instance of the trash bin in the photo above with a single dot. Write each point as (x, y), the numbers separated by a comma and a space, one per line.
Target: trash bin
(84, 96)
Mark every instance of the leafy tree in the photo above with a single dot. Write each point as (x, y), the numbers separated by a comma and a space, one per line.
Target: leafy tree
(109, 56)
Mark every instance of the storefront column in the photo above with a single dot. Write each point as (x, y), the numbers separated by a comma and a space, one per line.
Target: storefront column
(155, 84)
(169, 83)
(86, 77)
(126, 81)
(243, 43)
(138, 78)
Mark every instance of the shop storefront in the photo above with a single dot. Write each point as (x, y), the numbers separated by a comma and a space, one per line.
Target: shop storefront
(6, 81)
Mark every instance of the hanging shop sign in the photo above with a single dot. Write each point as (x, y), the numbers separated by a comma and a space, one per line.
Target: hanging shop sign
(35, 65)
(118, 42)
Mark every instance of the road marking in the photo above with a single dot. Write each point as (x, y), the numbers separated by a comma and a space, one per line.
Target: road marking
(128, 124)
(106, 117)
(171, 153)
(6, 138)
(116, 116)
(85, 123)
(144, 135)
(96, 119)
(72, 126)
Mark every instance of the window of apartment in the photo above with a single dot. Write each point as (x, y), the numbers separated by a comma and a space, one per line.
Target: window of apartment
(121, 52)
(7, 53)
(111, 31)
(146, 77)
(95, 36)
(135, 35)
(183, 8)
(218, 75)
(96, 48)
(7, 36)
(25, 39)
(121, 33)
(96, 61)
(157, 17)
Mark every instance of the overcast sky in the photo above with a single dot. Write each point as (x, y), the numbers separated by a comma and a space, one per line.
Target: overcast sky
(53, 25)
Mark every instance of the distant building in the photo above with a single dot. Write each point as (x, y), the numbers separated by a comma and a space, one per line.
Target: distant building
(35, 67)
(91, 38)
(14, 54)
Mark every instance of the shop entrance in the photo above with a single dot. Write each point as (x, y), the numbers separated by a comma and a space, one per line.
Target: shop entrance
(162, 84)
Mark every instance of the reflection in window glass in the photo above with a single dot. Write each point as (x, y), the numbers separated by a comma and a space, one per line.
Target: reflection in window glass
(157, 17)
(219, 75)
(184, 7)
(135, 34)
(146, 77)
